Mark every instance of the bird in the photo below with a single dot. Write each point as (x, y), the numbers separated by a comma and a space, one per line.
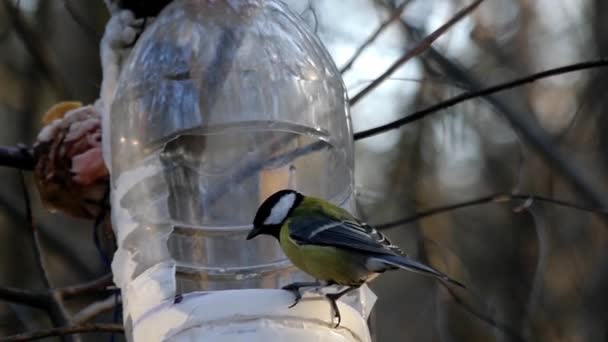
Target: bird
(331, 245)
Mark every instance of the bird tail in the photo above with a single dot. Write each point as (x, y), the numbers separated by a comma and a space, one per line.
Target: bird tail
(418, 267)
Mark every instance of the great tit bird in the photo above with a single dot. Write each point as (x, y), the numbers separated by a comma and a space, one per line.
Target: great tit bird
(330, 244)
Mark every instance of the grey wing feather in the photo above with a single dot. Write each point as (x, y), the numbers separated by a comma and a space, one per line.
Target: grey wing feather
(349, 234)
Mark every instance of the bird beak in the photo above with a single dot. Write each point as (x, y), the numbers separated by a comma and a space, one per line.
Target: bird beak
(253, 233)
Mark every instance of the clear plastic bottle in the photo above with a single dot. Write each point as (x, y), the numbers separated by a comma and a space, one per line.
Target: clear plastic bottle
(220, 104)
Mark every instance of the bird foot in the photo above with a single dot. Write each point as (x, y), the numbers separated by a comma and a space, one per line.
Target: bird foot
(295, 289)
(333, 298)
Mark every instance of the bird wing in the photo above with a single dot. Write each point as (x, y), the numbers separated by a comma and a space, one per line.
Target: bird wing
(322, 229)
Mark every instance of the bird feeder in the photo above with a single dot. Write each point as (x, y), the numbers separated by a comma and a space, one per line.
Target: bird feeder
(220, 104)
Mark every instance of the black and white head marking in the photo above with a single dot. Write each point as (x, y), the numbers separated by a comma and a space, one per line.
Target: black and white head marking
(280, 209)
(275, 210)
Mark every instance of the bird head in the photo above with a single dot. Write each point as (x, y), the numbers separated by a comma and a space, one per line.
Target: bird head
(274, 212)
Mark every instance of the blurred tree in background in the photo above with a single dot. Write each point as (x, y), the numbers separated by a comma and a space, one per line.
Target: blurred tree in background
(535, 269)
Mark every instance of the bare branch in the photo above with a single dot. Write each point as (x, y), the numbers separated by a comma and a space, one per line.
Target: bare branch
(421, 114)
(540, 272)
(91, 32)
(95, 309)
(34, 235)
(528, 128)
(55, 308)
(420, 47)
(495, 198)
(36, 46)
(394, 16)
(18, 157)
(44, 299)
(55, 243)
(505, 329)
(93, 286)
(90, 328)
(25, 297)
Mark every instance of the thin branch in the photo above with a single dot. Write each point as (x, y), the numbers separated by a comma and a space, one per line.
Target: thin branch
(505, 329)
(55, 308)
(495, 198)
(42, 300)
(95, 309)
(540, 272)
(99, 220)
(34, 235)
(36, 46)
(420, 47)
(394, 16)
(63, 331)
(603, 62)
(52, 241)
(91, 32)
(530, 131)
(25, 297)
(18, 157)
(93, 286)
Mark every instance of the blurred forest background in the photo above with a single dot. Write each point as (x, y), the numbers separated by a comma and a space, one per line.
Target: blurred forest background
(534, 269)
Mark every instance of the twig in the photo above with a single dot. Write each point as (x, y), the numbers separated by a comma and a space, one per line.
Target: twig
(394, 16)
(75, 262)
(495, 198)
(63, 331)
(18, 157)
(95, 309)
(25, 297)
(93, 286)
(34, 234)
(99, 220)
(532, 134)
(540, 272)
(420, 47)
(55, 308)
(42, 300)
(94, 35)
(37, 47)
(603, 62)
(505, 329)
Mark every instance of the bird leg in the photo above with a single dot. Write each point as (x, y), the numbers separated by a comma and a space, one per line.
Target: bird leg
(333, 297)
(295, 289)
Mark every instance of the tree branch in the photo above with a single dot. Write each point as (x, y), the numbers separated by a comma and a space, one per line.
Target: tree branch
(55, 308)
(34, 234)
(74, 261)
(421, 114)
(18, 157)
(532, 134)
(42, 300)
(495, 198)
(505, 329)
(89, 30)
(419, 48)
(93, 286)
(36, 46)
(63, 331)
(95, 309)
(394, 16)
(25, 297)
